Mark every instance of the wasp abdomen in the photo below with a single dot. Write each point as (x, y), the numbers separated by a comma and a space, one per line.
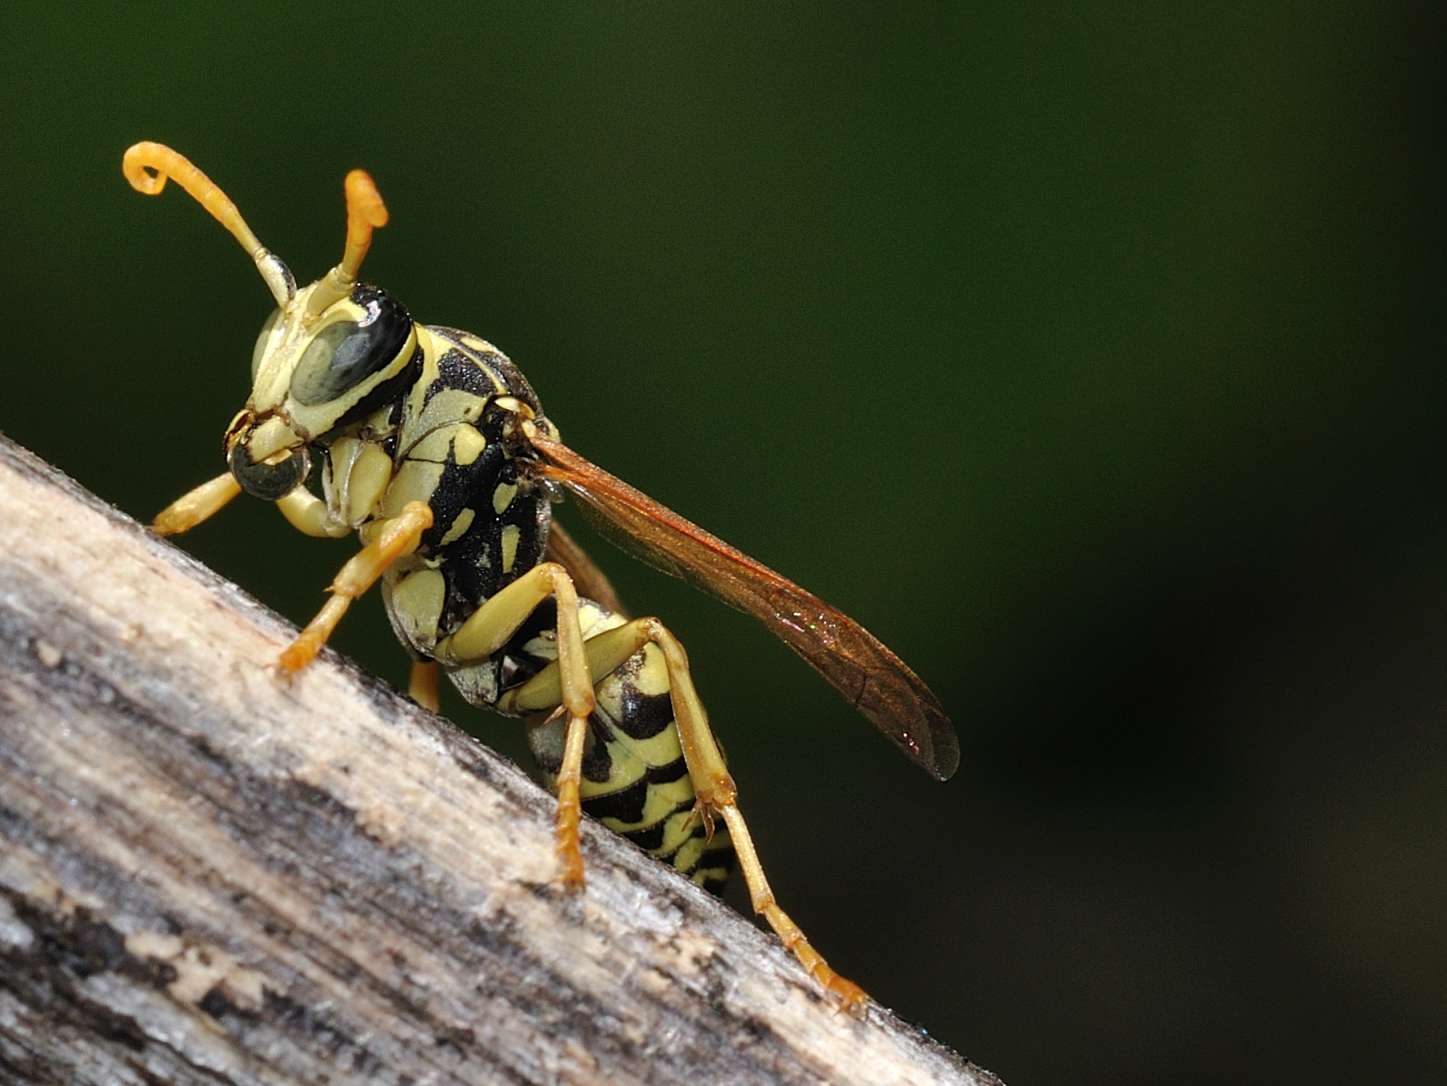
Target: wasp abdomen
(635, 780)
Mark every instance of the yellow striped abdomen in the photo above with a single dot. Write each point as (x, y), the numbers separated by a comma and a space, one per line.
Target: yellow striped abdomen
(634, 778)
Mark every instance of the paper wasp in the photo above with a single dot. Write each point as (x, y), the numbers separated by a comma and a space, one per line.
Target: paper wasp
(435, 450)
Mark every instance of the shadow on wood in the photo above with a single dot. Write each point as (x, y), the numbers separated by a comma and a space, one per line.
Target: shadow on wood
(209, 874)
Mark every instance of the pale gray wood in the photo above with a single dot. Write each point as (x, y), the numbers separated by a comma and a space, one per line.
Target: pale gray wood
(211, 875)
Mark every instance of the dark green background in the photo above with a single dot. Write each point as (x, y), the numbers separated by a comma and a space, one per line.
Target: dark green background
(1091, 357)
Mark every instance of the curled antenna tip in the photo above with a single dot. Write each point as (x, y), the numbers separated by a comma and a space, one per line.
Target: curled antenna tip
(365, 212)
(140, 165)
(148, 165)
(364, 199)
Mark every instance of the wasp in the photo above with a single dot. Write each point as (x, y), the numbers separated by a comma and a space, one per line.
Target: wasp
(435, 450)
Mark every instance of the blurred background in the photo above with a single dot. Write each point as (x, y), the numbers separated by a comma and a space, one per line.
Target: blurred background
(1092, 357)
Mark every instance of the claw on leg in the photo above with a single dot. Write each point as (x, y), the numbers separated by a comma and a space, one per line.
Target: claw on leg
(845, 994)
(309, 642)
(714, 789)
(570, 852)
(702, 812)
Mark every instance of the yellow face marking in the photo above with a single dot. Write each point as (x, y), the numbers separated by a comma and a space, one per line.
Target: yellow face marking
(510, 535)
(460, 524)
(317, 418)
(502, 497)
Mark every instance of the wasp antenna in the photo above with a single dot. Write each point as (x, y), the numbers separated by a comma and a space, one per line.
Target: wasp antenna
(149, 165)
(365, 212)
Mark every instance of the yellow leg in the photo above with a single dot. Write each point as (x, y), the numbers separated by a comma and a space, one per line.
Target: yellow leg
(422, 684)
(849, 995)
(304, 510)
(192, 508)
(570, 803)
(712, 782)
(396, 539)
(307, 513)
(488, 629)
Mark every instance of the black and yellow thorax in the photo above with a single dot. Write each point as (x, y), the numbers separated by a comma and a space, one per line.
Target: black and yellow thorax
(449, 447)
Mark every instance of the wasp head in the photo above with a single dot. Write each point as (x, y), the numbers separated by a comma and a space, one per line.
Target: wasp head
(314, 373)
(328, 356)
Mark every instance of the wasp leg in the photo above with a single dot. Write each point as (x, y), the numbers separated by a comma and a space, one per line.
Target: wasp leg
(488, 629)
(307, 513)
(715, 788)
(191, 508)
(849, 995)
(392, 539)
(422, 684)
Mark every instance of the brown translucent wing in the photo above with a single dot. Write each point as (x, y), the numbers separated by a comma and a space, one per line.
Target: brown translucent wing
(872, 679)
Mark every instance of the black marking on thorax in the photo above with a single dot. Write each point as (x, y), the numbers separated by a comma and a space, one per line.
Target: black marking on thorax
(494, 360)
(473, 563)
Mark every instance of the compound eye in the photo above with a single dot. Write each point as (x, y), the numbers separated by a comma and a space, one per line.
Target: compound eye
(262, 339)
(346, 352)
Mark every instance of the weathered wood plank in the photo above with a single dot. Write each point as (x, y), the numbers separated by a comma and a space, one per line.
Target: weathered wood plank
(210, 875)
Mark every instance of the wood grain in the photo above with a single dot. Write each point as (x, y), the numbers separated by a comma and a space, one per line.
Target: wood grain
(212, 875)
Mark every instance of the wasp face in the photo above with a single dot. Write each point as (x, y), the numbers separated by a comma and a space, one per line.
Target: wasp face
(315, 373)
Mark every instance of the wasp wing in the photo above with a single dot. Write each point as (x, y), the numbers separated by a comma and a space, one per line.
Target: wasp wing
(871, 677)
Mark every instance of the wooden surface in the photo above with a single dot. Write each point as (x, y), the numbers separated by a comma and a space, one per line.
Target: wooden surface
(211, 875)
